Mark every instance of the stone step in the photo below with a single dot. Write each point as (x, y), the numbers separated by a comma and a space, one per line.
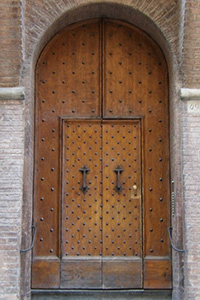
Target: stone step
(101, 295)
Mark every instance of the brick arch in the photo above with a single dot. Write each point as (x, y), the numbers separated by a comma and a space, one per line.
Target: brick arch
(157, 19)
(158, 25)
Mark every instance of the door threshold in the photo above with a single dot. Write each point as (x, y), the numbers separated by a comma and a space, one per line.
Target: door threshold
(101, 294)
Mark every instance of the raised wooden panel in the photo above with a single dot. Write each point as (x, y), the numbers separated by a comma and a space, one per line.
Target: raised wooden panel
(45, 273)
(157, 273)
(81, 272)
(122, 273)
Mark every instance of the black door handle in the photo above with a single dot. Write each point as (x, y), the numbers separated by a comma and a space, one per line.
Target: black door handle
(118, 187)
(84, 188)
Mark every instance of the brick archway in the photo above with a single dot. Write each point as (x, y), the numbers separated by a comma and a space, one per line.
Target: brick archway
(76, 13)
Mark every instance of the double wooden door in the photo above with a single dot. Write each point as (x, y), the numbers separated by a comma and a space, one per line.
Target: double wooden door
(101, 228)
(101, 188)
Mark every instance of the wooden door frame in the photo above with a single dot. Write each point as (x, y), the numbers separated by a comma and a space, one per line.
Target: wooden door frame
(174, 126)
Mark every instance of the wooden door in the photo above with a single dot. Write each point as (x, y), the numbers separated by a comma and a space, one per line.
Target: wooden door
(122, 230)
(101, 209)
(82, 205)
(101, 188)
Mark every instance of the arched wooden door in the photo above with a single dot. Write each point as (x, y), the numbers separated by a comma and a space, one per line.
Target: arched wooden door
(101, 188)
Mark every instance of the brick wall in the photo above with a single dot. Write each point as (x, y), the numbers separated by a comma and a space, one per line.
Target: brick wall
(191, 176)
(10, 39)
(191, 150)
(11, 174)
(191, 52)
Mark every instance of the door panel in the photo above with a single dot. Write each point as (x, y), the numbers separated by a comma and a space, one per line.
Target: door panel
(81, 272)
(122, 230)
(81, 210)
(122, 273)
(81, 207)
(134, 72)
(67, 83)
(122, 207)
(102, 105)
(136, 84)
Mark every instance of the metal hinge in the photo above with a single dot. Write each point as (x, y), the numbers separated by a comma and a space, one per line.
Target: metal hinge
(173, 214)
(172, 199)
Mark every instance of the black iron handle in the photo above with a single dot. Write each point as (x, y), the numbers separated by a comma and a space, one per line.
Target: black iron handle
(172, 244)
(84, 188)
(118, 187)
(33, 240)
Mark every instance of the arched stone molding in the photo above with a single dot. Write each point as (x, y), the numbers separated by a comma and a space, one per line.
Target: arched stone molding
(42, 20)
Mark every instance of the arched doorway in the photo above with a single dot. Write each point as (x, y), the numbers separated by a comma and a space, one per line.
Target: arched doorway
(101, 187)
